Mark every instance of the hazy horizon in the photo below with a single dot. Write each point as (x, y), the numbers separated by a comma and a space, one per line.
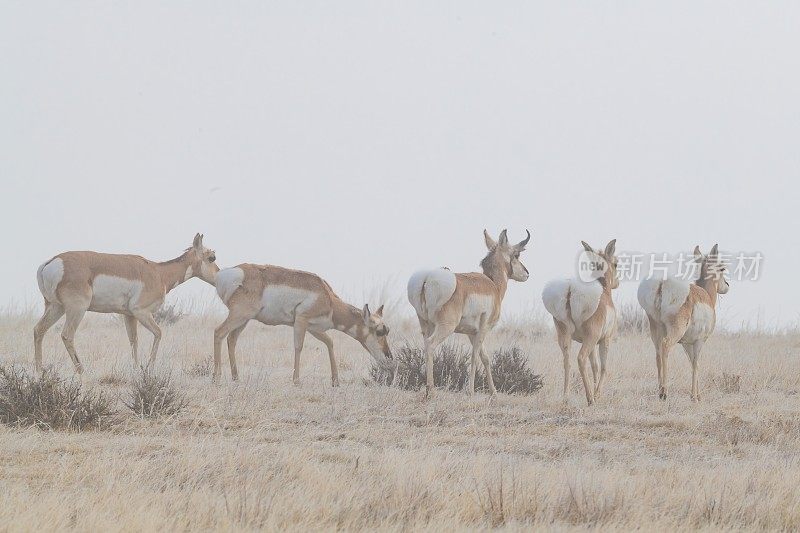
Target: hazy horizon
(362, 141)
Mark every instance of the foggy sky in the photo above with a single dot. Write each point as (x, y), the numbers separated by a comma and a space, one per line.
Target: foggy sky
(363, 140)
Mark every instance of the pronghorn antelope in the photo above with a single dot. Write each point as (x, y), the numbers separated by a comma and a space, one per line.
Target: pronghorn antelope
(683, 312)
(278, 296)
(75, 282)
(584, 311)
(467, 303)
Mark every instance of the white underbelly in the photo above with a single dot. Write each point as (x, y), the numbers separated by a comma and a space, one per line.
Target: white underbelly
(111, 294)
(701, 325)
(478, 309)
(280, 304)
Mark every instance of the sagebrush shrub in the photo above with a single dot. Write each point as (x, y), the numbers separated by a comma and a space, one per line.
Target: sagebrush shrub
(153, 394)
(51, 402)
(510, 370)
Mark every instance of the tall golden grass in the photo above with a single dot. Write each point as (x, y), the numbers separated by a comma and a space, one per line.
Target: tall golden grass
(263, 453)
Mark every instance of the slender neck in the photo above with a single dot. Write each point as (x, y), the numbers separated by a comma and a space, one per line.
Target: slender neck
(174, 272)
(607, 281)
(709, 284)
(495, 270)
(347, 318)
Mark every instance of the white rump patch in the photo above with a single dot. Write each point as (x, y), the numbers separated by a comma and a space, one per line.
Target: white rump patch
(584, 298)
(111, 294)
(228, 280)
(673, 295)
(439, 286)
(49, 276)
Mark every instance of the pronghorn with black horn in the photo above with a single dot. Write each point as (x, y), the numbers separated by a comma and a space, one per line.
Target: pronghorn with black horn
(279, 296)
(583, 310)
(469, 303)
(132, 286)
(683, 312)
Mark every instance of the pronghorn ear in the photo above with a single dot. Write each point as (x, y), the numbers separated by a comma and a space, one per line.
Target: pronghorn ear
(365, 313)
(379, 312)
(503, 240)
(611, 247)
(490, 243)
(587, 247)
(697, 253)
(714, 253)
(197, 244)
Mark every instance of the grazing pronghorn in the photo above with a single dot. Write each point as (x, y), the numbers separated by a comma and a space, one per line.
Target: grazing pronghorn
(75, 282)
(584, 311)
(278, 296)
(467, 303)
(683, 312)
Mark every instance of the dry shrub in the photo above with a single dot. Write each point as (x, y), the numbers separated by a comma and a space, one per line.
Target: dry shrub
(451, 369)
(728, 383)
(112, 379)
(153, 394)
(200, 368)
(51, 402)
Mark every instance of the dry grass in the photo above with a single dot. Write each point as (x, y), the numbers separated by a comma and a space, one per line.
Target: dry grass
(263, 453)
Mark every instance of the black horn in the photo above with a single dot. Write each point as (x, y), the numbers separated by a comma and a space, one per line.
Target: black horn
(524, 241)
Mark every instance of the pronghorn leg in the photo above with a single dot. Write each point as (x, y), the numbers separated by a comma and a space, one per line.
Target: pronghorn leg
(487, 367)
(233, 337)
(133, 336)
(656, 336)
(73, 320)
(565, 343)
(231, 323)
(440, 333)
(146, 319)
(425, 327)
(593, 364)
(583, 354)
(695, 360)
(326, 340)
(300, 327)
(666, 347)
(470, 386)
(52, 312)
(603, 345)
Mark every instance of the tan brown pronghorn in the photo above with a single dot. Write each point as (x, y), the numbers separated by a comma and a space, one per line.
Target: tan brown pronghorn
(683, 312)
(75, 282)
(278, 296)
(584, 311)
(448, 303)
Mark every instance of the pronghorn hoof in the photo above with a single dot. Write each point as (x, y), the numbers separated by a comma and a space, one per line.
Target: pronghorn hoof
(335, 383)
(662, 395)
(296, 382)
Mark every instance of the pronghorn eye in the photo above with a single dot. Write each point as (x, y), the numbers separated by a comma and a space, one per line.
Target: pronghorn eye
(212, 258)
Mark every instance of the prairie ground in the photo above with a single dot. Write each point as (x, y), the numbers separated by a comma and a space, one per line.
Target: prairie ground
(263, 453)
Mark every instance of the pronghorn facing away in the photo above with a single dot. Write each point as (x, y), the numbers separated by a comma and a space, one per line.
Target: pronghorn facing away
(468, 303)
(279, 296)
(584, 311)
(683, 312)
(75, 282)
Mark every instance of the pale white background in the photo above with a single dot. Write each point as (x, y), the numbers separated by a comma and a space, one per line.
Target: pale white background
(361, 140)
